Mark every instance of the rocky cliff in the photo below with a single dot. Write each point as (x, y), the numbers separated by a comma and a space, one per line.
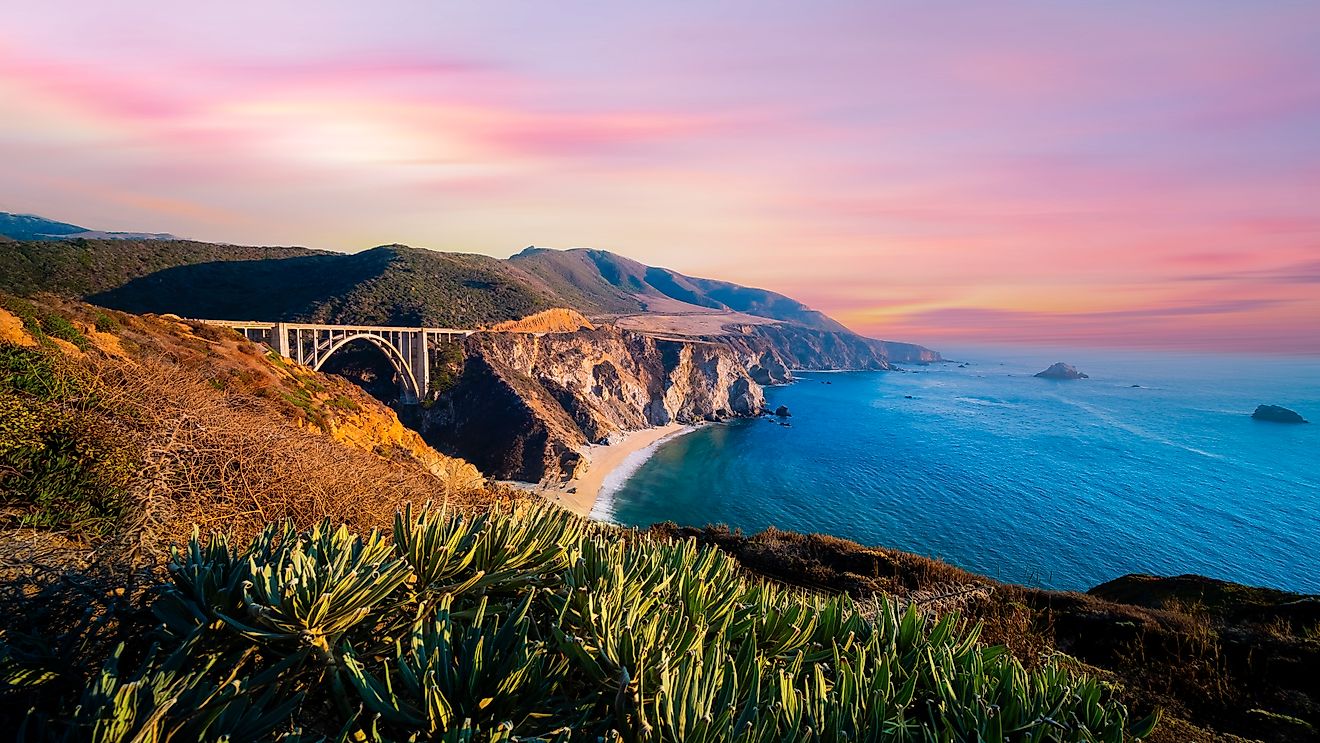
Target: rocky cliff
(800, 347)
(771, 351)
(524, 405)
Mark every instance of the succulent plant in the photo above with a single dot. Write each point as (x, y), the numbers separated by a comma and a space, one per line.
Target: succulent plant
(526, 623)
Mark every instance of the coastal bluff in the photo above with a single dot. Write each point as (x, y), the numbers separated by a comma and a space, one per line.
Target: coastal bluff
(524, 407)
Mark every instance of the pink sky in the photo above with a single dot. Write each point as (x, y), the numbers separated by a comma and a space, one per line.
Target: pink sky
(1120, 173)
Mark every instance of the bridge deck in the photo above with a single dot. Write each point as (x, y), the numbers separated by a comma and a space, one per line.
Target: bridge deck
(261, 325)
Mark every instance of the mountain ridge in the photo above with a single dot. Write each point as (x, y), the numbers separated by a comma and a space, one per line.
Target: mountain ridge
(33, 227)
(652, 282)
(402, 285)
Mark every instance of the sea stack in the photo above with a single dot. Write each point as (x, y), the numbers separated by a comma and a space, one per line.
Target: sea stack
(1277, 414)
(782, 412)
(1061, 371)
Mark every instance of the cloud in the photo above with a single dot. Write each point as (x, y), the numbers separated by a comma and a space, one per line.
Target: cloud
(1260, 325)
(1303, 272)
(980, 317)
(1104, 170)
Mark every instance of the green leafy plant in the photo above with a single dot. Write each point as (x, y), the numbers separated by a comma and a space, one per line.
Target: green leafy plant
(526, 623)
(107, 323)
(296, 590)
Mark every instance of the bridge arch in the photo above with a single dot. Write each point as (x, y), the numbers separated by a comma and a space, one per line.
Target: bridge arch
(408, 349)
(395, 357)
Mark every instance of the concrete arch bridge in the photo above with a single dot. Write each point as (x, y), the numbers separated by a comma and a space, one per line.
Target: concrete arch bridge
(309, 344)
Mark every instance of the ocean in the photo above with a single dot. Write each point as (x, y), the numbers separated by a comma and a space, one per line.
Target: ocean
(1153, 465)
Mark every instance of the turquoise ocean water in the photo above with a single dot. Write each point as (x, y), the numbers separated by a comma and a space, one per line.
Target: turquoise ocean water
(1054, 484)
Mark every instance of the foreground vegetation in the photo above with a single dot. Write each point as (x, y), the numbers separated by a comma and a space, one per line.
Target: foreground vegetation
(527, 623)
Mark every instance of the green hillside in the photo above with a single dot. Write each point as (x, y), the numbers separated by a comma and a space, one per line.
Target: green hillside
(81, 267)
(391, 284)
(574, 275)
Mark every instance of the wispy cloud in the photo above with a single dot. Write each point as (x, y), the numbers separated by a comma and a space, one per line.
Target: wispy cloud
(1304, 272)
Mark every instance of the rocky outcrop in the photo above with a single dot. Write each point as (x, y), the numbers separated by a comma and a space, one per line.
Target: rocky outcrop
(1277, 414)
(1061, 370)
(11, 330)
(525, 406)
(768, 369)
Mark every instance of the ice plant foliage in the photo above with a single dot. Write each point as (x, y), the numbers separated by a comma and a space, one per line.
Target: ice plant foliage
(527, 623)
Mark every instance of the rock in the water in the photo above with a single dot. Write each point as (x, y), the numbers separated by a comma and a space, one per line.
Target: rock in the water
(1061, 371)
(1277, 414)
(782, 412)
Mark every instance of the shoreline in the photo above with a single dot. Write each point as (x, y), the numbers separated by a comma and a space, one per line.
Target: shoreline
(608, 467)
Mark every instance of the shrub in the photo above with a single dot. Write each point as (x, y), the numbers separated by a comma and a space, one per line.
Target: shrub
(445, 368)
(42, 323)
(531, 624)
(106, 323)
(62, 464)
(343, 402)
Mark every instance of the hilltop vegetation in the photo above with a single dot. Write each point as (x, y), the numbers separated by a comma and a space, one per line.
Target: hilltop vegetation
(390, 285)
(81, 268)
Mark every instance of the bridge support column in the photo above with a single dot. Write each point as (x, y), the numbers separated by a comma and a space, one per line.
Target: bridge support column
(280, 339)
(422, 362)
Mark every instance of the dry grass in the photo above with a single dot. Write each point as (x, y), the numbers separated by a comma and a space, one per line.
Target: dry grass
(229, 439)
(555, 320)
(230, 463)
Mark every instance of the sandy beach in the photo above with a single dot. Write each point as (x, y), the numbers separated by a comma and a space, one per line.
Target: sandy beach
(632, 449)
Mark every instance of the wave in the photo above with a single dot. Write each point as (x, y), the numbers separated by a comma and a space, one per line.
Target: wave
(1135, 430)
(603, 508)
(984, 402)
